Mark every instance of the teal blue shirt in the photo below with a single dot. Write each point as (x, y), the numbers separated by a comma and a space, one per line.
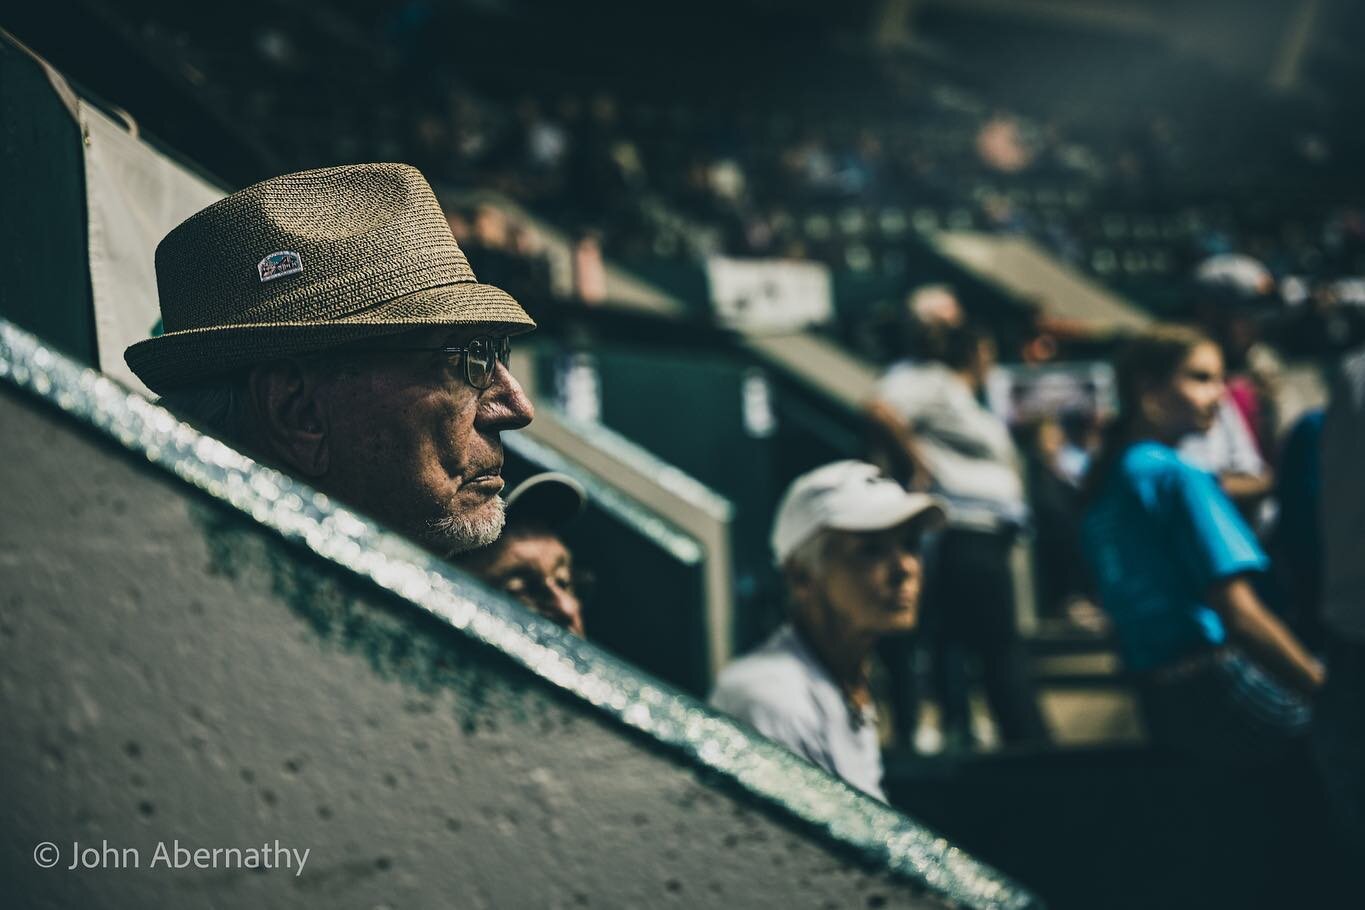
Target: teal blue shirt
(1158, 534)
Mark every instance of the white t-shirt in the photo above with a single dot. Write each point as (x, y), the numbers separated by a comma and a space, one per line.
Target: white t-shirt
(783, 692)
(967, 448)
(1227, 447)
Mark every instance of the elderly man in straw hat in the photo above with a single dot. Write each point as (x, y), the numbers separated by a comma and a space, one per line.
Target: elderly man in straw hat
(327, 322)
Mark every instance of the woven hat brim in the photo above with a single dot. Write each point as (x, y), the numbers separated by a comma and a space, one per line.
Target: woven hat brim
(179, 359)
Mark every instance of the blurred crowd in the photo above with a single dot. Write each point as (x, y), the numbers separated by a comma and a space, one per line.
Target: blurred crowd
(855, 169)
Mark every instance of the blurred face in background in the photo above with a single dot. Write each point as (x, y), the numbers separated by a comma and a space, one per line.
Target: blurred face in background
(1049, 440)
(1188, 402)
(532, 565)
(863, 583)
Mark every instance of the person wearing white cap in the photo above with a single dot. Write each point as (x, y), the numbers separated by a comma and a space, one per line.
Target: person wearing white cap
(530, 561)
(847, 540)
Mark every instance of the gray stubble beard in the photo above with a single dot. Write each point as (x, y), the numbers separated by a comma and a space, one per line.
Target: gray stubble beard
(455, 534)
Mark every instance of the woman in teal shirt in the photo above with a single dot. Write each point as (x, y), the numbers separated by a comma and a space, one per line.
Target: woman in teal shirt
(1219, 674)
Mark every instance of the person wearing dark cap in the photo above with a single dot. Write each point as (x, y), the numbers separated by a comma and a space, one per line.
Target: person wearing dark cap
(847, 541)
(328, 323)
(530, 561)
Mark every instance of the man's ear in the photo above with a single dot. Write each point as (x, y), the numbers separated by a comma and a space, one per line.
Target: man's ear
(290, 416)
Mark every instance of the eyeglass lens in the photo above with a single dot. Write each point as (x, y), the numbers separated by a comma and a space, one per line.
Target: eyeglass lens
(482, 357)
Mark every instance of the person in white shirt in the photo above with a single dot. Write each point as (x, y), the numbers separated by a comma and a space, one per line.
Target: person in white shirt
(1228, 451)
(847, 540)
(937, 435)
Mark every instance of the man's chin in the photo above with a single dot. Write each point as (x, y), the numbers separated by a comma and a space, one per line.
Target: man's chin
(902, 618)
(467, 529)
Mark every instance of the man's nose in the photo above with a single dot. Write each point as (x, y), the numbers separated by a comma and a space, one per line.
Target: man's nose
(907, 565)
(564, 608)
(504, 405)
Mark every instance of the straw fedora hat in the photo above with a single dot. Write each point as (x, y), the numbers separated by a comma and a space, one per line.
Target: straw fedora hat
(308, 261)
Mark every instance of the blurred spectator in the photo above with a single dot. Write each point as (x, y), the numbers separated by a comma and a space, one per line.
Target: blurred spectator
(1339, 726)
(1218, 675)
(1001, 145)
(1323, 323)
(809, 165)
(530, 561)
(589, 271)
(1295, 544)
(1239, 275)
(460, 228)
(490, 228)
(1227, 450)
(940, 437)
(545, 142)
(503, 253)
(1081, 438)
(1231, 290)
(1256, 390)
(847, 541)
(1056, 507)
(935, 305)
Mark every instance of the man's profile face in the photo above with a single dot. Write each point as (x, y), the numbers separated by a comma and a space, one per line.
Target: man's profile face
(414, 445)
(869, 581)
(533, 565)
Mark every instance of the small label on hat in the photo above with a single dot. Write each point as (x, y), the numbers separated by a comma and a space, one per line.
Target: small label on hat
(277, 265)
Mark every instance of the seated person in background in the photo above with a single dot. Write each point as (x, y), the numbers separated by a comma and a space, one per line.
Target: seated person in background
(1219, 676)
(530, 561)
(847, 541)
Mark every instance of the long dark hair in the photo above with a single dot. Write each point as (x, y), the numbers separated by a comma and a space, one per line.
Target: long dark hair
(1148, 360)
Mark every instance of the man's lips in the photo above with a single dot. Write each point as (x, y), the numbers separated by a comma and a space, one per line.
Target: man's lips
(488, 481)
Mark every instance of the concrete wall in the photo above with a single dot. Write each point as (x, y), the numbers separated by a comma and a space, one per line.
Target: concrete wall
(172, 670)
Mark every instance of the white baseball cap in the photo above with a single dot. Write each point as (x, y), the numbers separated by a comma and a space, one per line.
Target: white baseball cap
(845, 496)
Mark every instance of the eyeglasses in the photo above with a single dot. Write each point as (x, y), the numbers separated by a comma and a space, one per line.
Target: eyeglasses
(481, 356)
